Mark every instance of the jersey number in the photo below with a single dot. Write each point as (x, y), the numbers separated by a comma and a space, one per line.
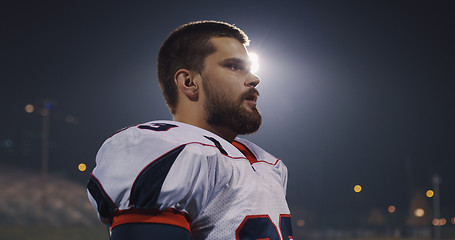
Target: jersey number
(261, 227)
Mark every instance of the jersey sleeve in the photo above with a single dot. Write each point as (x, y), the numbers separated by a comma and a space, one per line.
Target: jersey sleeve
(145, 174)
(188, 184)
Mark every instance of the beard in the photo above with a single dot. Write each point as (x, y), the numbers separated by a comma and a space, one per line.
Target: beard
(224, 111)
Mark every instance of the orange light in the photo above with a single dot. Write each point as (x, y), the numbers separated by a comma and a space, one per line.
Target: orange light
(82, 167)
(357, 188)
(391, 209)
(430, 193)
(435, 222)
(300, 223)
(439, 222)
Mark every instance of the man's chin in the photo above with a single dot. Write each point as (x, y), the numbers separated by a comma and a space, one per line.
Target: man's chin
(249, 107)
(241, 119)
(250, 125)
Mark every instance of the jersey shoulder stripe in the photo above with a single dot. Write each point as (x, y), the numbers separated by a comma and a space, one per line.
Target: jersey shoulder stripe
(147, 186)
(261, 155)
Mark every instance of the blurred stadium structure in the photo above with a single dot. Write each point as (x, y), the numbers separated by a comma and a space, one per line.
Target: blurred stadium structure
(21, 192)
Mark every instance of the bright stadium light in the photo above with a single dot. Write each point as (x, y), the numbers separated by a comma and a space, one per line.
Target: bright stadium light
(254, 58)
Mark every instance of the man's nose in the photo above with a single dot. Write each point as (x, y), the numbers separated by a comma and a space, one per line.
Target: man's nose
(252, 81)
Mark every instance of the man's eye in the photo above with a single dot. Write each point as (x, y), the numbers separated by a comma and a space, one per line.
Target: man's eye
(233, 67)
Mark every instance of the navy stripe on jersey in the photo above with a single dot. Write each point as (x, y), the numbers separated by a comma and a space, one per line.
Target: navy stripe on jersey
(140, 231)
(217, 144)
(106, 207)
(147, 186)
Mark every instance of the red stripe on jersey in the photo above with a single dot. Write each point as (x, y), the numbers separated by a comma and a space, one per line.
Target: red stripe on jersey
(169, 216)
(248, 154)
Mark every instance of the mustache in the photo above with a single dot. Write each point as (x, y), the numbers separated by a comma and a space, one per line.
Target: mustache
(250, 92)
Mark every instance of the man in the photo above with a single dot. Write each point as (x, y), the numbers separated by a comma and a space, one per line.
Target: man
(192, 178)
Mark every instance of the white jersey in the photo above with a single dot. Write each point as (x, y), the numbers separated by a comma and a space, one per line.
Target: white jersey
(182, 170)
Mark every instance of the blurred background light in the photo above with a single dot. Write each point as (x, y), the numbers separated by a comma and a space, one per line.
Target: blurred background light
(300, 223)
(71, 119)
(357, 188)
(430, 193)
(419, 212)
(29, 108)
(391, 209)
(44, 112)
(439, 222)
(8, 143)
(48, 105)
(435, 222)
(82, 167)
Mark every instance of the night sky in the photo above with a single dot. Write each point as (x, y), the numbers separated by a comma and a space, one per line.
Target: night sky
(352, 92)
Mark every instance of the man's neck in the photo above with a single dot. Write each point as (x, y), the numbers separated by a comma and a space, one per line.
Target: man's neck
(223, 132)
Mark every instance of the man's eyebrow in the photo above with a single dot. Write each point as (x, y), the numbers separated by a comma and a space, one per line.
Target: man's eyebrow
(236, 60)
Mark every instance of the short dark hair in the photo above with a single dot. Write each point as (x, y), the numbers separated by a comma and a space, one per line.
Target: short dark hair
(186, 48)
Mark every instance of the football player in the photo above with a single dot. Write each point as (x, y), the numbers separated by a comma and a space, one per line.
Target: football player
(193, 178)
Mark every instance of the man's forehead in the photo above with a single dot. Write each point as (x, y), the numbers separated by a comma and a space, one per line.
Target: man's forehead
(228, 46)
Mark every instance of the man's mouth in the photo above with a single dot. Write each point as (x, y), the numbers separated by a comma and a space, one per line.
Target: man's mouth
(251, 96)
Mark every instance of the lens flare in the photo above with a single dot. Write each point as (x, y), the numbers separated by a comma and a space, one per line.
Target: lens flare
(254, 58)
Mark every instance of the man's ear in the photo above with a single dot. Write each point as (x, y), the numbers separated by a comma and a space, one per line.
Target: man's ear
(184, 79)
